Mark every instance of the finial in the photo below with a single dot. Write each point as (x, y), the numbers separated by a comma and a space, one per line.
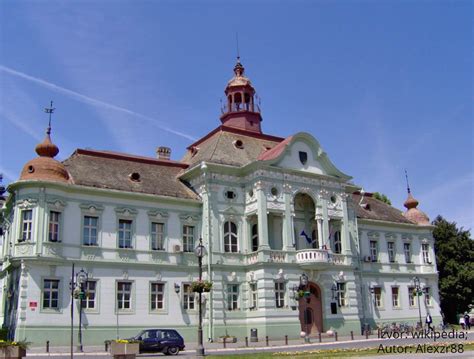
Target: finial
(408, 186)
(49, 110)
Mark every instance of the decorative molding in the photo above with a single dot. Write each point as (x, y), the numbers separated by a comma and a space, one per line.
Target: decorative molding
(373, 235)
(407, 237)
(126, 211)
(158, 214)
(189, 218)
(390, 236)
(92, 208)
(56, 204)
(27, 203)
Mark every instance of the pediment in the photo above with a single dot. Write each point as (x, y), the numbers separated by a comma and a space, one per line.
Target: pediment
(302, 152)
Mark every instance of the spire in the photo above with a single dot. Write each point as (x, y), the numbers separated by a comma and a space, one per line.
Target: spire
(47, 148)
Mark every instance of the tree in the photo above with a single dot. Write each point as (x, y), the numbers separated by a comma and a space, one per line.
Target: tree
(382, 197)
(454, 250)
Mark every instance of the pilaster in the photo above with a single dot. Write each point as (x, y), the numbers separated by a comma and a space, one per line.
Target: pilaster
(346, 243)
(262, 216)
(288, 233)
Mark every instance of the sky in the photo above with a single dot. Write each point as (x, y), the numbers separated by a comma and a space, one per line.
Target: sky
(384, 86)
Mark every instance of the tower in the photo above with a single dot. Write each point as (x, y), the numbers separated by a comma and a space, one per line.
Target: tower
(240, 110)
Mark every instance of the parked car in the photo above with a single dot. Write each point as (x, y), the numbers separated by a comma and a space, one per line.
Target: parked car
(166, 341)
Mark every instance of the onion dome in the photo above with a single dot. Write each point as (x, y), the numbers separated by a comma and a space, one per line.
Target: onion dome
(45, 167)
(414, 214)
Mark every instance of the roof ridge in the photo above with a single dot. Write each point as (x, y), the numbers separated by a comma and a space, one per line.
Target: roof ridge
(129, 157)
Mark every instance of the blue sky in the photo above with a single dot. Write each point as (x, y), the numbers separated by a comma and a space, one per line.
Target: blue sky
(383, 86)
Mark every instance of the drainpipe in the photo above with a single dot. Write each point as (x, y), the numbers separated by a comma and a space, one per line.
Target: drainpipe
(359, 264)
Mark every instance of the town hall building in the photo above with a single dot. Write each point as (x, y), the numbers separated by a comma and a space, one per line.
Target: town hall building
(291, 244)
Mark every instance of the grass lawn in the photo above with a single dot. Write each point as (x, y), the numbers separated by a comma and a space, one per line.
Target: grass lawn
(329, 353)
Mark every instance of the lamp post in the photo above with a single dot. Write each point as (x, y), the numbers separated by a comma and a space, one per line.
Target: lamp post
(199, 252)
(81, 279)
(303, 285)
(416, 282)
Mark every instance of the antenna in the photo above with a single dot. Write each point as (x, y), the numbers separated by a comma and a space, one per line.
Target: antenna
(237, 43)
(49, 110)
(408, 186)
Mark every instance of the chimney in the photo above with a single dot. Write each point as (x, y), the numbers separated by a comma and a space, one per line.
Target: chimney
(163, 153)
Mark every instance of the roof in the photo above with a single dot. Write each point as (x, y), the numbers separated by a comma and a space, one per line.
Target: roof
(221, 146)
(111, 170)
(377, 210)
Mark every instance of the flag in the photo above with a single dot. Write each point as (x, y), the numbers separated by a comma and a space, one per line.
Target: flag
(308, 239)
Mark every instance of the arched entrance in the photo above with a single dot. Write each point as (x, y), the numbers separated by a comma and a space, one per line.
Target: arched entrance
(311, 311)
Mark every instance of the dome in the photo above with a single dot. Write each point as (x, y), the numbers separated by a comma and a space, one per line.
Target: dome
(413, 214)
(45, 167)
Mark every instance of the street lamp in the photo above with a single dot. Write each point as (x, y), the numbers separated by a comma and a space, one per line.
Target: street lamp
(81, 279)
(303, 285)
(199, 252)
(416, 282)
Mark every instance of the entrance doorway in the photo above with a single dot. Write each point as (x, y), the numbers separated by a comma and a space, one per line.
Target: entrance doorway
(311, 311)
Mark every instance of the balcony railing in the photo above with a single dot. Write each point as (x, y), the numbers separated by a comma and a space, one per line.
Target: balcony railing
(237, 107)
(313, 256)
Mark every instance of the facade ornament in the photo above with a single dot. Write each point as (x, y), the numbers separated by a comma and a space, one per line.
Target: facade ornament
(323, 194)
(259, 186)
(158, 214)
(27, 203)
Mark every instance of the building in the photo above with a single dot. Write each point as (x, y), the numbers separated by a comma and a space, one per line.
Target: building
(268, 209)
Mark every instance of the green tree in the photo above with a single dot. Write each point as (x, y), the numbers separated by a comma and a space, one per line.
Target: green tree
(382, 197)
(455, 259)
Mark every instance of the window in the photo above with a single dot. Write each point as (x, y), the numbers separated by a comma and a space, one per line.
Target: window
(427, 291)
(188, 238)
(280, 294)
(125, 233)
(395, 298)
(378, 297)
(188, 297)
(124, 296)
(26, 225)
(230, 194)
(253, 296)
(373, 251)
(232, 297)
(411, 296)
(90, 288)
(407, 252)
(90, 231)
(51, 294)
(254, 237)
(341, 294)
(230, 237)
(391, 251)
(54, 218)
(157, 291)
(337, 242)
(157, 230)
(425, 253)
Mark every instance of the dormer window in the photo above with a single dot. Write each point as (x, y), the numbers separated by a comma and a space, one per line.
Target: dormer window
(230, 194)
(238, 144)
(303, 157)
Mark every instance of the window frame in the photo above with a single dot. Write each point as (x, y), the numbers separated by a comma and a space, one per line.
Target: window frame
(188, 297)
(29, 222)
(125, 231)
(341, 294)
(87, 228)
(337, 242)
(428, 297)
(373, 250)
(280, 294)
(54, 223)
(407, 252)
(50, 309)
(253, 296)
(254, 237)
(131, 299)
(156, 233)
(96, 292)
(378, 297)
(229, 237)
(396, 297)
(188, 247)
(425, 253)
(91, 210)
(232, 297)
(391, 251)
(412, 302)
(157, 293)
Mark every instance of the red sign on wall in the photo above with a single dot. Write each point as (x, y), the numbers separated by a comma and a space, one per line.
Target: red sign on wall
(33, 305)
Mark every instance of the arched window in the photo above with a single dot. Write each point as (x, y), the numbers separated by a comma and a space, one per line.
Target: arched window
(337, 242)
(230, 237)
(314, 239)
(255, 238)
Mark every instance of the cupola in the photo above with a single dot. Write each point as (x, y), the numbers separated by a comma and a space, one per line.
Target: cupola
(45, 167)
(412, 213)
(240, 110)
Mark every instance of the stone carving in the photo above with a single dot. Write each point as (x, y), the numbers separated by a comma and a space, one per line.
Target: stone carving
(158, 214)
(27, 203)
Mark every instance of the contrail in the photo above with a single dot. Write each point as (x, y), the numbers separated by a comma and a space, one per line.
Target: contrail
(92, 101)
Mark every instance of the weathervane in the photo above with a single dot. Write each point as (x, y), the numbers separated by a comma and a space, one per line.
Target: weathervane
(49, 110)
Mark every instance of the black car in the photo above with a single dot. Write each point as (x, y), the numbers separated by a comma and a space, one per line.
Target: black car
(166, 341)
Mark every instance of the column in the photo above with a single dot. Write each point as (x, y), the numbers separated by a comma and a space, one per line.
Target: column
(323, 196)
(319, 223)
(288, 241)
(262, 216)
(345, 240)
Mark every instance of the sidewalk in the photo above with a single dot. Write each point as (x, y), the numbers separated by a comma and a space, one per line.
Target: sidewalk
(99, 351)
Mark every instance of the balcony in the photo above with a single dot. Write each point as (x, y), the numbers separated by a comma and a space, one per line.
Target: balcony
(319, 258)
